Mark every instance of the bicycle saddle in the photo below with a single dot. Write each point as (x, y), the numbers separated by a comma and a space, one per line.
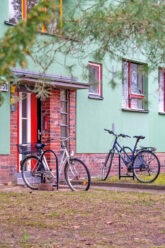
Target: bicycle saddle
(139, 137)
(40, 145)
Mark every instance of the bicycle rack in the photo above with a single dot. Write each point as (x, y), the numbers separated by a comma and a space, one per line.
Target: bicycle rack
(133, 176)
(57, 169)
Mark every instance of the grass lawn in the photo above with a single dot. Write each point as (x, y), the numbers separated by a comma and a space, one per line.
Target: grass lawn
(115, 179)
(97, 219)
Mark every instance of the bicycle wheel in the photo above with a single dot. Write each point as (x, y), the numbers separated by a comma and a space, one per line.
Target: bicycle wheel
(77, 175)
(146, 166)
(32, 172)
(107, 165)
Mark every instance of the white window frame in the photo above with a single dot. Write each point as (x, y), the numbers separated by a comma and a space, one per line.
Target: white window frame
(161, 90)
(99, 79)
(128, 96)
(28, 95)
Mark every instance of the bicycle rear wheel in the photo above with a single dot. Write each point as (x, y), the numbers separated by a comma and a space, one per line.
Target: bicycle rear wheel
(107, 165)
(32, 172)
(146, 166)
(77, 175)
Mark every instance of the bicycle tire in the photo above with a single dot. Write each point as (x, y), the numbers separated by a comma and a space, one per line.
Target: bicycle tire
(77, 175)
(146, 166)
(106, 168)
(32, 172)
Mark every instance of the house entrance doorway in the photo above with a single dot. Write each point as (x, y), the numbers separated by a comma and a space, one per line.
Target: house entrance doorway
(29, 121)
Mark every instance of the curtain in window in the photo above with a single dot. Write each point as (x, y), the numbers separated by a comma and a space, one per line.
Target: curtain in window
(93, 80)
(161, 91)
(125, 94)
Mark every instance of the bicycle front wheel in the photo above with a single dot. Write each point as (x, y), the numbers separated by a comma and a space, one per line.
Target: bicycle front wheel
(107, 165)
(32, 172)
(146, 166)
(77, 175)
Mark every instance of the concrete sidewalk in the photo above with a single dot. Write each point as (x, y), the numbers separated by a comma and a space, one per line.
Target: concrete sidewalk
(129, 187)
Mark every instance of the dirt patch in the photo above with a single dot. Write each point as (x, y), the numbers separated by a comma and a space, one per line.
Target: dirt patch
(22, 188)
(65, 219)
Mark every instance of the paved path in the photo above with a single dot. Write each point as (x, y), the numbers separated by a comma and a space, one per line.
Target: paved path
(152, 191)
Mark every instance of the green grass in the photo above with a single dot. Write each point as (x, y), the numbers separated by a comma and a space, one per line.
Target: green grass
(115, 179)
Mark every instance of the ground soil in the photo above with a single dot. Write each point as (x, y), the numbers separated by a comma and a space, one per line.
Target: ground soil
(65, 219)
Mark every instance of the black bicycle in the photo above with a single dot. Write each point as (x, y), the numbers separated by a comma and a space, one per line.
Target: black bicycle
(143, 163)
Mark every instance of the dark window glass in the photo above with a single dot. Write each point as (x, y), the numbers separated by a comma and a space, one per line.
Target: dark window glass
(93, 80)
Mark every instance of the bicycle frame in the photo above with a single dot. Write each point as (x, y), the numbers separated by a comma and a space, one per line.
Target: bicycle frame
(64, 159)
(119, 149)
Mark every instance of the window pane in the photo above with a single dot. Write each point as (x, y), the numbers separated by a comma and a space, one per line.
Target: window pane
(63, 95)
(63, 132)
(24, 107)
(137, 103)
(93, 80)
(125, 85)
(134, 81)
(64, 107)
(161, 91)
(15, 10)
(64, 119)
(54, 26)
(31, 4)
(24, 131)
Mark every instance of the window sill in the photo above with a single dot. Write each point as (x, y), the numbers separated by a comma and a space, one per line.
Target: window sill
(161, 113)
(40, 32)
(95, 97)
(10, 23)
(135, 110)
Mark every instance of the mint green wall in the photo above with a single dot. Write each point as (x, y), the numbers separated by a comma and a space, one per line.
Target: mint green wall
(5, 107)
(95, 115)
(3, 16)
(5, 124)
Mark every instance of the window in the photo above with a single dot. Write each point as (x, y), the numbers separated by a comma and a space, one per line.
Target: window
(64, 112)
(95, 80)
(18, 10)
(134, 87)
(162, 90)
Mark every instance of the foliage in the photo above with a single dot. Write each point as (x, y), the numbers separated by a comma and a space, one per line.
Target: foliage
(98, 27)
(19, 40)
(119, 27)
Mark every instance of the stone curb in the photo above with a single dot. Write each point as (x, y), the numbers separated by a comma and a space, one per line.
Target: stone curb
(128, 185)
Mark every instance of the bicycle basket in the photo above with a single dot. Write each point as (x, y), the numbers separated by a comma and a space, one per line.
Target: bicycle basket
(27, 148)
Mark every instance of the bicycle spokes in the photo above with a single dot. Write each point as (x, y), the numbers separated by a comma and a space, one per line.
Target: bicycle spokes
(77, 175)
(146, 166)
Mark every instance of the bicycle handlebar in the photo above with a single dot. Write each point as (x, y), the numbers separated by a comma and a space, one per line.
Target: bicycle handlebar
(119, 135)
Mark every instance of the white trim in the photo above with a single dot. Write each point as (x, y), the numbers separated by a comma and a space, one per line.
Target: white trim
(98, 66)
(28, 95)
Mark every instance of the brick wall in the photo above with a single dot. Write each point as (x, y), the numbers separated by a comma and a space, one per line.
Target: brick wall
(51, 108)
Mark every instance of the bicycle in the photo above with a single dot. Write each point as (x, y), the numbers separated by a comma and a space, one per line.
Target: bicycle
(36, 170)
(143, 163)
